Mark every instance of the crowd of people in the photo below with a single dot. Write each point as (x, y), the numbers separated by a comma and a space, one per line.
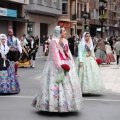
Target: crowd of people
(15, 53)
(64, 79)
(105, 49)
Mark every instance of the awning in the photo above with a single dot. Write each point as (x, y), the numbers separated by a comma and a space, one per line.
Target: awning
(13, 19)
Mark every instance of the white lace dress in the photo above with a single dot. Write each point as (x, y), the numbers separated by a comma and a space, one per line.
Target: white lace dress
(58, 97)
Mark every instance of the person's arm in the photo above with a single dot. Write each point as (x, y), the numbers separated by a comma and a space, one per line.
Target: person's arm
(25, 41)
(19, 45)
(80, 50)
(54, 54)
(93, 53)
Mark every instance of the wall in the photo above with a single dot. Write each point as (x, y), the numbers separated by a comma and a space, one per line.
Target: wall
(52, 22)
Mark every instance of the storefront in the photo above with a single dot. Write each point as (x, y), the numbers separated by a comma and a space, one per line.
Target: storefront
(9, 19)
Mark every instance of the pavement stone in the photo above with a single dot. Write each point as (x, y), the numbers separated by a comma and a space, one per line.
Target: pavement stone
(111, 77)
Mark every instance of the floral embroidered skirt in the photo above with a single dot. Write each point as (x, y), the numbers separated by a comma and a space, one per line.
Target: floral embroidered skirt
(65, 96)
(8, 81)
(110, 58)
(90, 76)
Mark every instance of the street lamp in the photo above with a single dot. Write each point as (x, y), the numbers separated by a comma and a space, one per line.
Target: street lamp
(102, 18)
(85, 15)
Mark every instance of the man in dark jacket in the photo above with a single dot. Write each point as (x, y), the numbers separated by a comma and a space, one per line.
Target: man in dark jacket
(71, 44)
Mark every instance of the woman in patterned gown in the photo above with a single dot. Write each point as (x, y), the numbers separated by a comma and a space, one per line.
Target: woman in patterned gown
(88, 70)
(8, 79)
(59, 93)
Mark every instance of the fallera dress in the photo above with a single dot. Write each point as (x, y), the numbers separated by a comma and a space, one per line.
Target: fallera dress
(89, 74)
(64, 96)
(8, 79)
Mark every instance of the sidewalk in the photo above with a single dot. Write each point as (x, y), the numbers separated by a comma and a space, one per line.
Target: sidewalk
(111, 77)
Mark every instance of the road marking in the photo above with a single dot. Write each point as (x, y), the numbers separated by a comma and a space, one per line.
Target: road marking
(106, 100)
(12, 96)
(84, 99)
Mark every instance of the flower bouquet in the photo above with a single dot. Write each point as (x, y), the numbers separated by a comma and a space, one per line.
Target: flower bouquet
(99, 61)
(66, 68)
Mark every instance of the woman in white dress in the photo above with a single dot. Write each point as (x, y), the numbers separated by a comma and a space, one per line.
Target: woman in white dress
(59, 93)
(88, 70)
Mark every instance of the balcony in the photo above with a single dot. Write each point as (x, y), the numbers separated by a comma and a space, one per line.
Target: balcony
(74, 17)
(24, 2)
(48, 7)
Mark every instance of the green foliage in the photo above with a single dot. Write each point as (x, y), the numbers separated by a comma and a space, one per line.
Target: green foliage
(102, 18)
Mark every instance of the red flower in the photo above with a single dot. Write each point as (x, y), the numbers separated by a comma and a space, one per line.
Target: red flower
(65, 67)
(99, 61)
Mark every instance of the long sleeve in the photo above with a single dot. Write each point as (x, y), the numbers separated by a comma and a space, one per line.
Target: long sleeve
(115, 46)
(93, 53)
(80, 52)
(19, 46)
(54, 54)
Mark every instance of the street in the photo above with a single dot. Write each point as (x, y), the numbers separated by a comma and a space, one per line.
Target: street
(104, 106)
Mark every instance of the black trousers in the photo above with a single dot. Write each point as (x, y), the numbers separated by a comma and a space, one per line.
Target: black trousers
(14, 56)
(118, 56)
(33, 56)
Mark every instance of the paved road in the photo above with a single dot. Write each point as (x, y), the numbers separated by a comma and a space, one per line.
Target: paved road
(105, 106)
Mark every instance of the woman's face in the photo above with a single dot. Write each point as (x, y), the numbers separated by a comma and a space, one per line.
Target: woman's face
(3, 40)
(87, 37)
(63, 33)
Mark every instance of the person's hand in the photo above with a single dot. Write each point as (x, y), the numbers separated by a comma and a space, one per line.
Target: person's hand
(59, 68)
(81, 64)
(4, 58)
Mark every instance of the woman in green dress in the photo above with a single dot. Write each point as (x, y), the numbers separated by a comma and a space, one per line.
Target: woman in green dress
(87, 67)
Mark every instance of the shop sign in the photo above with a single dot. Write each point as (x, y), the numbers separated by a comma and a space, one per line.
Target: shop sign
(3, 12)
(65, 24)
(11, 13)
(20, 1)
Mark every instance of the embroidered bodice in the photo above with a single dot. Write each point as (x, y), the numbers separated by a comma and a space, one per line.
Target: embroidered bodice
(12, 42)
(82, 52)
(65, 57)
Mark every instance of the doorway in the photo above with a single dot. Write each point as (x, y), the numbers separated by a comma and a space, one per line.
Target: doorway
(43, 31)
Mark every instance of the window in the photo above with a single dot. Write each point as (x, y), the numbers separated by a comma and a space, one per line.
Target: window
(78, 10)
(92, 13)
(65, 7)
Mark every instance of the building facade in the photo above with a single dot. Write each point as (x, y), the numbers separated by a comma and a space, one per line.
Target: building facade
(43, 16)
(110, 13)
(74, 19)
(72, 16)
(12, 16)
